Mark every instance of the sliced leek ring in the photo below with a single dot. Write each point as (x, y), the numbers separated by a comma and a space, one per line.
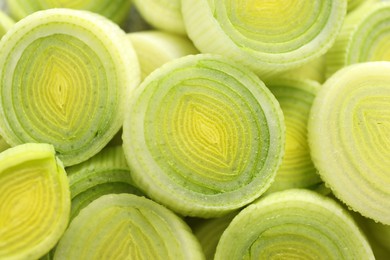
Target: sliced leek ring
(268, 36)
(34, 201)
(126, 226)
(349, 137)
(203, 135)
(65, 77)
(293, 224)
(6, 23)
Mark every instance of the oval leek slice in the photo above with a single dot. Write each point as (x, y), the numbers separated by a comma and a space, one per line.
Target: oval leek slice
(105, 173)
(349, 137)
(293, 224)
(295, 97)
(162, 14)
(203, 135)
(365, 36)
(267, 36)
(125, 226)
(34, 201)
(64, 80)
(155, 48)
(116, 11)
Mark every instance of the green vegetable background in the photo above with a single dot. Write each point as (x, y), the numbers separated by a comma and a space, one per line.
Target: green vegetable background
(194, 129)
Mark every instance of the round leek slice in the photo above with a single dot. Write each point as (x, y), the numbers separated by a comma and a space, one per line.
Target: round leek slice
(155, 48)
(5, 23)
(349, 137)
(203, 135)
(365, 36)
(34, 201)
(162, 14)
(125, 226)
(293, 224)
(116, 11)
(295, 97)
(105, 173)
(65, 77)
(268, 36)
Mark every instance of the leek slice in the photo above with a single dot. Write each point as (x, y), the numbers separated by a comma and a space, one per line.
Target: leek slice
(125, 226)
(203, 135)
(34, 201)
(162, 14)
(293, 224)
(268, 36)
(5, 23)
(155, 48)
(349, 137)
(295, 97)
(116, 11)
(365, 36)
(105, 173)
(65, 77)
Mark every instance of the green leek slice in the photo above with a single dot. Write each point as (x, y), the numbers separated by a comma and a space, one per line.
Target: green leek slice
(126, 226)
(203, 135)
(293, 224)
(155, 48)
(295, 97)
(268, 36)
(65, 77)
(34, 201)
(365, 36)
(349, 140)
(105, 173)
(162, 14)
(5, 23)
(116, 11)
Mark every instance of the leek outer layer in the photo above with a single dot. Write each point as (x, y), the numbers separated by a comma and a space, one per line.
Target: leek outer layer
(65, 77)
(203, 135)
(268, 36)
(349, 137)
(126, 226)
(293, 224)
(365, 36)
(34, 201)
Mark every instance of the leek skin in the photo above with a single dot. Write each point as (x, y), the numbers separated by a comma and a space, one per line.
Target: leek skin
(66, 77)
(119, 226)
(34, 201)
(203, 136)
(293, 224)
(348, 137)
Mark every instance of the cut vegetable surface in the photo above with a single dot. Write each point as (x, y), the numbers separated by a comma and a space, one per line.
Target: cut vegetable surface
(293, 224)
(203, 135)
(349, 137)
(34, 201)
(125, 226)
(64, 80)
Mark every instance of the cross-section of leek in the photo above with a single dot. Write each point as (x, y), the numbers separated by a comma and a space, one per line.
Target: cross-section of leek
(365, 36)
(155, 48)
(268, 36)
(162, 14)
(126, 226)
(349, 137)
(5, 23)
(116, 11)
(293, 224)
(34, 201)
(64, 80)
(105, 173)
(295, 97)
(203, 135)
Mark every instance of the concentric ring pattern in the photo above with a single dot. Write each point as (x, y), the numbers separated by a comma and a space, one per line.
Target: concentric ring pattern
(64, 79)
(205, 130)
(268, 36)
(34, 201)
(293, 224)
(349, 137)
(125, 226)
